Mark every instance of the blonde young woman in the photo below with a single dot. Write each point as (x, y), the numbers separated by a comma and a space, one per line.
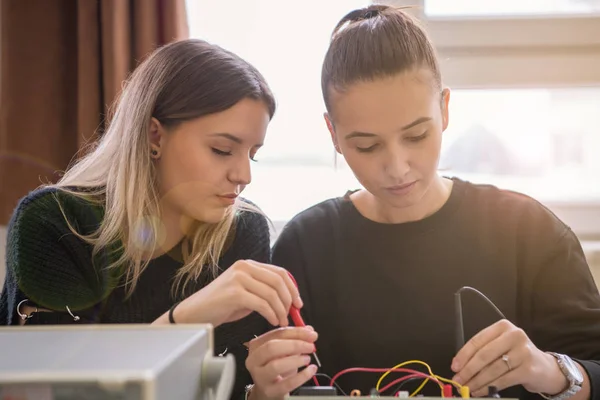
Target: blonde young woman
(149, 227)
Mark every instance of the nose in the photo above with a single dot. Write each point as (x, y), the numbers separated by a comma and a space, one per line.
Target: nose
(240, 173)
(397, 163)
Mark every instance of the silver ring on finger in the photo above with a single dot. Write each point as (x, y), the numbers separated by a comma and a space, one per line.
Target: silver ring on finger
(507, 362)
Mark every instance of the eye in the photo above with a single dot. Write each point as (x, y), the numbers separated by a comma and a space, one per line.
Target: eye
(415, 139)
(220, 152)
(253, 154)
(366, 149)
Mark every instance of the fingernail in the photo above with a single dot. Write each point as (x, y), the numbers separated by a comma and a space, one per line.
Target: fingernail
(306, 360)
(454, 366)
(310, 328)
(314, 348)
(312, 369)
(457, 379)
(300, 301)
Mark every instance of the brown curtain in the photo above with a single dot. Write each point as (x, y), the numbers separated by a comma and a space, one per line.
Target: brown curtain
(62, 62)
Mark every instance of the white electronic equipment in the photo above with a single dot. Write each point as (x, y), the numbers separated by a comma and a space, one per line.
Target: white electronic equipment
(113, 362)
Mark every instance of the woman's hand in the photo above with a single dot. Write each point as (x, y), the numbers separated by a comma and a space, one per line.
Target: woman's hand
(274, 359)
(503, 356)
(244, 287)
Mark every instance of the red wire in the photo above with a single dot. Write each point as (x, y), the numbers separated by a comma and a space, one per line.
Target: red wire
(399, 380)
(316, 381)
(359, 369)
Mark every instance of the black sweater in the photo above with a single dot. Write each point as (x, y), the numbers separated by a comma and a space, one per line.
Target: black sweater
(379, 294)
(50, 266)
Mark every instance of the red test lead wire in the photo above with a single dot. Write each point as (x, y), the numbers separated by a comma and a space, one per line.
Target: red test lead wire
(298, 321)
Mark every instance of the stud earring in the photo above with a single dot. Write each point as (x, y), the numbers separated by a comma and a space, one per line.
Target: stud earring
(154, 153)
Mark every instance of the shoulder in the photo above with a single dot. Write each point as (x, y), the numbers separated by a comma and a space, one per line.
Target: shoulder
(52, 208)
(48, 262)
(320, 217)
(507, 216)
(312, 228)
(510, 206)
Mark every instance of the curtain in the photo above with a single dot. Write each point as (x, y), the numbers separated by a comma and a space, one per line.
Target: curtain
(62, 63)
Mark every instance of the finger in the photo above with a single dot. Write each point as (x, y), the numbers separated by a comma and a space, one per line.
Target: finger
(285, 366)
(260, 305)
(290, 287)
(268, 293)
(495, 371)
(285, 386)
(484, 356)
(477, 342)
(305, 334)
(505, 381)
(275, 349)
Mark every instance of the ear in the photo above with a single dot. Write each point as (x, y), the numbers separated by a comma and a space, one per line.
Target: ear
(156, 137)
(445, 110)
(331, 128)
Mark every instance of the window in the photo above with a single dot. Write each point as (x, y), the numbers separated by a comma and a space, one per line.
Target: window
(509, 7)
(525, 80)
(538, 141)
(287, 44)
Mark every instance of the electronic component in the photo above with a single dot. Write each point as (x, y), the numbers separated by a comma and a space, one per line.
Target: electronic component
(363, 397)
(458, 315)
(101, 361)
(298, 321)
(311, 391)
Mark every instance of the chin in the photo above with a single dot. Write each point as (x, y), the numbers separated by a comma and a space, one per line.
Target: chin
(402, 201)
(210, 216)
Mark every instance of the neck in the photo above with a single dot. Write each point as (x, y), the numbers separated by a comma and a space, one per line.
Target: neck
(433, 199)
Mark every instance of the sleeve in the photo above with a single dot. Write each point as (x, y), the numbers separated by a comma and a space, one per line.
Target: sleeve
(566, 307)
(48, 266)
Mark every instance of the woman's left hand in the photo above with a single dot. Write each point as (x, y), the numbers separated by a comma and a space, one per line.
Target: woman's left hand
(503, 356)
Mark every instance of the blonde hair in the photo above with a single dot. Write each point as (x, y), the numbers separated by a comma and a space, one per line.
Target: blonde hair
(178, 82)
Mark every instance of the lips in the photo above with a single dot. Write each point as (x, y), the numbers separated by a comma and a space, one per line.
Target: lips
(228, 198)
(401, 189)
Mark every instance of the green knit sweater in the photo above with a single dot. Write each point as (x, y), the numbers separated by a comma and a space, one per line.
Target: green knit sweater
(53, 268)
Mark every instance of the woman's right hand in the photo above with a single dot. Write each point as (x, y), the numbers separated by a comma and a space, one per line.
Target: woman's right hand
(274, 359)
(244, 287)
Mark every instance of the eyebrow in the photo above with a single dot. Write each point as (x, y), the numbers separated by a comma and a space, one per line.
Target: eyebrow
(229, 136)
(367, 134)
(233, 138)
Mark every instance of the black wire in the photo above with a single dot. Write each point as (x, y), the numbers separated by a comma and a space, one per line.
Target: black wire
(335, 383)
(399, 386)
(329, 379)
(484, 297)
(460, 329)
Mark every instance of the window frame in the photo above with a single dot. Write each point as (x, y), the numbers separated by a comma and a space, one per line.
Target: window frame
(549, 51)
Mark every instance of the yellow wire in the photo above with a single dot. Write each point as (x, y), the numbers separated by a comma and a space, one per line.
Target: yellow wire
(456, 384)
(404, 364)
(421, 386)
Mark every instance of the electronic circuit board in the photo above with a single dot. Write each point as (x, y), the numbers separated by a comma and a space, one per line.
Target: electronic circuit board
(320, 397)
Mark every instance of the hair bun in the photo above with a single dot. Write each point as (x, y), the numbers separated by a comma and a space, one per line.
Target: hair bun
(360, 14)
